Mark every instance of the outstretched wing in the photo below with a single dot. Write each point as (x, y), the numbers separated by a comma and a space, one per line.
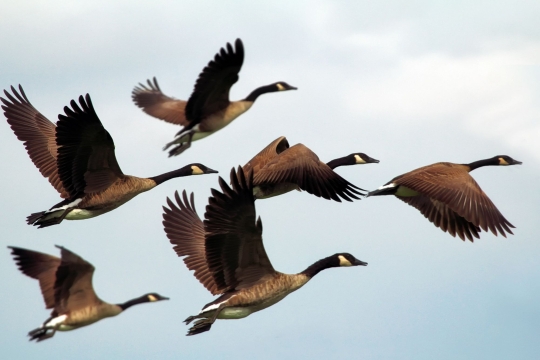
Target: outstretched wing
(301, 166)
(86, 159)
(36, 132)
(73, 288)
(39, 266)
(211, 92)
(185, 231)
(452, 185)
(266, 155)
(234, 248)
(155, 103)
(443, 217)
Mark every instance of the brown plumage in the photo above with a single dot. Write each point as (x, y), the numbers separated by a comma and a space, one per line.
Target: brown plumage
(77, 156)
(450, 198)
(278, 169)
(227, 254)
(66, 286)
(208, 108)
(155, 103)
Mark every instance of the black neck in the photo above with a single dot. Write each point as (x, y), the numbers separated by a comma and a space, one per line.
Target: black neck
(485, 162)
(140, 300)
(259, 91)
(343, 161)
(185, 171)
(320, 265)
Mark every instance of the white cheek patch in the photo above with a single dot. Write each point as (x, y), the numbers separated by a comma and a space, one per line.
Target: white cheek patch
(359, 160)
(55, 321)
(502, 161)
(343, 261)
(195, 170)
(152, 298)
(280, 87)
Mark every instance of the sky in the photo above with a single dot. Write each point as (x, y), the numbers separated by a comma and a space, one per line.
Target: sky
(408, 83)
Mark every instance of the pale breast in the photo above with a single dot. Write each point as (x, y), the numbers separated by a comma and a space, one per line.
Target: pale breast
(117, 194)
(223, 118)
(89, 315)
(268, 293)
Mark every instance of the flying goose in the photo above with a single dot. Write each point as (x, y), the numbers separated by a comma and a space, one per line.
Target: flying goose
(66, 286)
(449, 197)
(208, 108)
(77, 156)
(278, 169)
(227, 253)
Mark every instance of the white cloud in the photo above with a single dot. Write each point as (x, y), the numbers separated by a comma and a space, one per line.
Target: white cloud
(487, 93)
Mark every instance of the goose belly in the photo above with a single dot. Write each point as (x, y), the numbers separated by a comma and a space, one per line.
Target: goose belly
(102, 203)
(82, 214)
(239, 312)
(219, 120)
(266, 191)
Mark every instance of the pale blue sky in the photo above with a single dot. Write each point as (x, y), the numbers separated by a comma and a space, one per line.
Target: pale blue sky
(407, 84)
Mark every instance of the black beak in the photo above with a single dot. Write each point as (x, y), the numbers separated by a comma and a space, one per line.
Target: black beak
(359, 262)
(372, 160)
(515, 162)
(292, 88)
(211, 171)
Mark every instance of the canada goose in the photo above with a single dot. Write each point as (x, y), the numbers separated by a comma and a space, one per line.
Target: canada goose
(227, 254)
(77, 156)
(449, 197)
(278, 169)
(208, 108)
(66, 286)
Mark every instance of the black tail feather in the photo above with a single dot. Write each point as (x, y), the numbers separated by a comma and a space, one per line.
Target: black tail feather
(43, 219)
(31, 219)
(41, 334)
(200, 326)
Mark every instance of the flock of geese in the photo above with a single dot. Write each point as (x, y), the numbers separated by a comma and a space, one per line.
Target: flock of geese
(225, 251)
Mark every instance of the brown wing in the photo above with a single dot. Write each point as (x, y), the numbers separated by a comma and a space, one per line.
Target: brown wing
(36, 132)
(39, 266)
(73, 288)
(443, 217)
(155, 103)
(211, 92)
(185, 231)
(452, 185)
(86, 159)
(234, 247)
(275, 148)
(301, 166)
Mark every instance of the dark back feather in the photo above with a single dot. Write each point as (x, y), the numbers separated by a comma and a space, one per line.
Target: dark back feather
(234, 248)
(211, 92)
(86, 159)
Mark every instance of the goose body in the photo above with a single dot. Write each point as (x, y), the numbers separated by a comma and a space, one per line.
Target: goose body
(227, 254)
(447, 195)
(66, 286)
(208, 108)
(77, 156)
(280, 168)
